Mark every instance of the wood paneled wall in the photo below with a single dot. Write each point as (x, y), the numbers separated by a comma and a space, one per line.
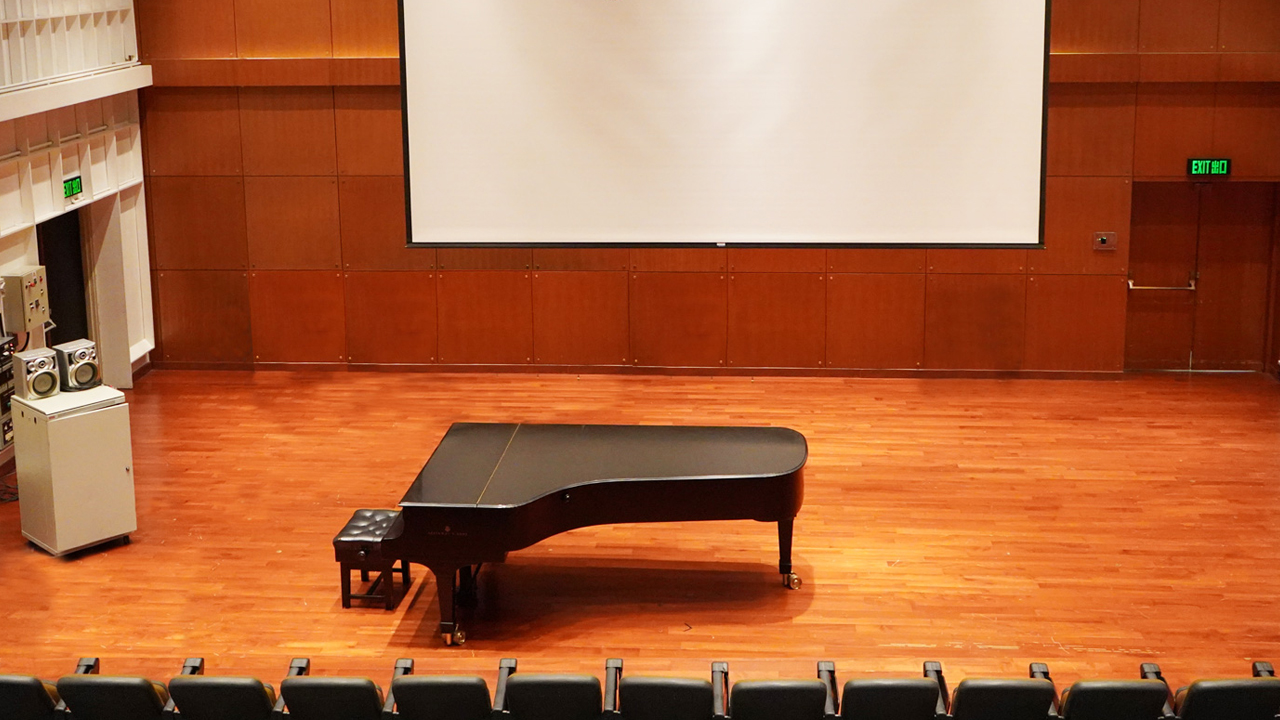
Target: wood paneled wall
(274, 159)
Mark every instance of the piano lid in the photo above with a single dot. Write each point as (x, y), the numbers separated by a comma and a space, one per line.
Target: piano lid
(495, 465)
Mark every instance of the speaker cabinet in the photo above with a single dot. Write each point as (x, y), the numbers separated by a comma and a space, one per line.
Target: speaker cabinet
(35, 373)
(78, 365)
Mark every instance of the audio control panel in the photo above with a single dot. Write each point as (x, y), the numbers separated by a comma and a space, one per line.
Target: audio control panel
(26, 299)
(6, 390)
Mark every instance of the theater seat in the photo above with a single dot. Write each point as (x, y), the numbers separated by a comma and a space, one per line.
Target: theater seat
(778, 700)
(200, 697)
(23, 697)
(332, 698)
(553, 697)
(441, 697)
(1244, 699)
(662, 698)
(997, 699)
(1114, 700)
(106, 697)
(890, 699)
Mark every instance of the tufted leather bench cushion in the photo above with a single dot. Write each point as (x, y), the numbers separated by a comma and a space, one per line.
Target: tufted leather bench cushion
(360, 540)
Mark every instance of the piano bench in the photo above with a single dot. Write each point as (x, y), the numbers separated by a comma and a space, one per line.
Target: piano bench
(358, 546)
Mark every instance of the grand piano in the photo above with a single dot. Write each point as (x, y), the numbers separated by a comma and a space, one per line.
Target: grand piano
(489, 489)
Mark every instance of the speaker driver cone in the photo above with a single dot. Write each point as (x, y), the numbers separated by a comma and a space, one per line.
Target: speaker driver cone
(44, 383)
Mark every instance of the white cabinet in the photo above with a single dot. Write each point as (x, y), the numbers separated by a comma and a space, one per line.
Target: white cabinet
(75, 469)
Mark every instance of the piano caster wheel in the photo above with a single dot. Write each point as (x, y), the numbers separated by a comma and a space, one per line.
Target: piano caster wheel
(457, 637)
(792, 581)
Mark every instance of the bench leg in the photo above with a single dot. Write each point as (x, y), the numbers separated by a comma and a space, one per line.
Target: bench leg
(389, 590)
(404, 572)
(346, 585)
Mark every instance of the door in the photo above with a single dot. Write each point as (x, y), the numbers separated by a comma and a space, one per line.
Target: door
(1200, 276)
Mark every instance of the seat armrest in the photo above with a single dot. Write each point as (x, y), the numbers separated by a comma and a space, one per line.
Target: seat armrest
(827, 674)
(1040, 671)
(1151, 671)
(933, 671)
(506, 667)
(719, 690)
(612, 673)
(191, 666)
(404, 666)
(298, 667)
(1263, 669)
(86, 666)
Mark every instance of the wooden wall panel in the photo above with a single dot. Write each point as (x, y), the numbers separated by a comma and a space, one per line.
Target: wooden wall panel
(283, 28)
(1178, 26)
(293, 223)
(1075, 322)
(875, 321)
(1075, 209)
(1236, 225)
(679, 259)
(192, 131)
(1249, 26)
(365, 28)
(203, 316)
(372, 225)
(777, 319)
(969, 260)
(288, 131)
(1159, 329)
(679, 319)
(198, 223)
(298, 316)
(580, 318)
(1247, 128)
(369, 131)
(810, 260)
(1174, 122)
(975, 322)
(485, 318)
(1094, 26)
(873, 260)
(580, 258)
(479, 258)
(1091, 129)
(1162, 249)
(186, 28)
(391, 317)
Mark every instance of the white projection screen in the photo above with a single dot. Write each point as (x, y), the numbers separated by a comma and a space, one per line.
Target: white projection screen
(743, 122)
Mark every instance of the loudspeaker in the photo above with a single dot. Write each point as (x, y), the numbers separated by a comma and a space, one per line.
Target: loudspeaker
(35, 374)
(78, 365)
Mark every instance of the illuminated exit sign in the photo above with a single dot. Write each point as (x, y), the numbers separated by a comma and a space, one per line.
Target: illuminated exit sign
(72, 187)
(1213, 167)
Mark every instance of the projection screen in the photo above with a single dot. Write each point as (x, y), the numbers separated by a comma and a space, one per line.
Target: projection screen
(774, 122)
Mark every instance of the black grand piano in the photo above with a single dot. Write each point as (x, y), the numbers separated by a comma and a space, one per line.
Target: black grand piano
(489, 489)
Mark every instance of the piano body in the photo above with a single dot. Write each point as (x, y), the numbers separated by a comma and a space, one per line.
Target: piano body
(489, 489)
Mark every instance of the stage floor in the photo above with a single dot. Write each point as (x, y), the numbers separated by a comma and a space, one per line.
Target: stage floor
(1092, 525)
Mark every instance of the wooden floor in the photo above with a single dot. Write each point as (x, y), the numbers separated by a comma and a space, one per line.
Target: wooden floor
(1091, 525)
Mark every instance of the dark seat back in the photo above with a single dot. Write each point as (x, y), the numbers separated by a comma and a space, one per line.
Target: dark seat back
(202, 697)
(1115, 700)
(533, 696)
(778, 700)
(441, 697)
(1244, 699)
(105, 697)
(23, 697)
(996, 699)
(658, 698)
(332, 698)
(890, 699)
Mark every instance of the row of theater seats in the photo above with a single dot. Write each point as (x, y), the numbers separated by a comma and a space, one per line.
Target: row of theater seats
(88, 695)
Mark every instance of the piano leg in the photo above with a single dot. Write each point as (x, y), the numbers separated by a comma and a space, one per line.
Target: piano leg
(789, 578)
(468, 593)
(446, 593)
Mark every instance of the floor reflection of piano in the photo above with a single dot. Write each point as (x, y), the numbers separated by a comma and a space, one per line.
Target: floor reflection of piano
(489, 489)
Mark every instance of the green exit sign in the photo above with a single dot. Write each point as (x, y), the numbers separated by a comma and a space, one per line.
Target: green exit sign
(1209, 166)
(72, 187)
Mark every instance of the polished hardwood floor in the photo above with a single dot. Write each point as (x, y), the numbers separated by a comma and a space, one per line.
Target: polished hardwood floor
(1092, 525)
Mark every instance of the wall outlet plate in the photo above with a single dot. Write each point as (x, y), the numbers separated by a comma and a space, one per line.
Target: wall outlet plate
(1105, 241)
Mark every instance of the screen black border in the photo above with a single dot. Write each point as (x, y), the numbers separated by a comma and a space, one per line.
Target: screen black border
(1044, 170)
